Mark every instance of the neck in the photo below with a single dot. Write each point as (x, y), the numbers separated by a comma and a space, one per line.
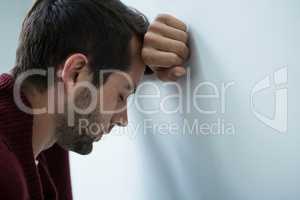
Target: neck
(43, 136)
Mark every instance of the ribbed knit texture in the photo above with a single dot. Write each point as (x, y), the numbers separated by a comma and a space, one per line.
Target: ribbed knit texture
(20, 178)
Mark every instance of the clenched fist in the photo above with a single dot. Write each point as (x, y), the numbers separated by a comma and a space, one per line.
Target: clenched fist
(165, 47)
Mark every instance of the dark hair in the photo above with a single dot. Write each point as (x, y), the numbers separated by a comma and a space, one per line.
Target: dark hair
(55, 29)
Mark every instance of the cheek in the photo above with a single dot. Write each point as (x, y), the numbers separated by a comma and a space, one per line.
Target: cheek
(106, 106)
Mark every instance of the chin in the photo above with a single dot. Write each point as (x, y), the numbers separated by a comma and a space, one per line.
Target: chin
(80, 148)
(83, 149)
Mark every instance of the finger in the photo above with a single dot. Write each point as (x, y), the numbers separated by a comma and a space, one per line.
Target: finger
(154, 57)
(166, 44)
(172, 21)
(171, 74)
(165, 76)
(168, 31)
(178, 71)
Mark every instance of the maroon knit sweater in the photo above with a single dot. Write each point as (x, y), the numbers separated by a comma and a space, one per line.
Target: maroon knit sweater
(20, 177)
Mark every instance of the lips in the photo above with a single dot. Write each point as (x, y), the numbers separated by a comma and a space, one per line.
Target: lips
(96, 139)
(110, 128)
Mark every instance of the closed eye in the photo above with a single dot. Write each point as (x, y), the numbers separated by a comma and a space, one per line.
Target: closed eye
(121, 98)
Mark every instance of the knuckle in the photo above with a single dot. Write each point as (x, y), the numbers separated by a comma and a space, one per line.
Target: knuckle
(185, 37)
(148, 38)
(145, 55)
(175, 59)
(181, 49)
(155, 26)
(184, 27)
(163, 17)
(149, 57)
(186, 51)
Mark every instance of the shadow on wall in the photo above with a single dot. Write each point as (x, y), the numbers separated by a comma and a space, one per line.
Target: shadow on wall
(182, 171)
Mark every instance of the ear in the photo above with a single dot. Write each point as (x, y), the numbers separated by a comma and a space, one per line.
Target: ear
(74, 69)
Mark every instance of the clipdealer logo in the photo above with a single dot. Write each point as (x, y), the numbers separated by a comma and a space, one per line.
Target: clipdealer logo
(278, 81)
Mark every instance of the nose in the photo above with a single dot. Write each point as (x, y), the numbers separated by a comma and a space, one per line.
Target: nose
(120, 119)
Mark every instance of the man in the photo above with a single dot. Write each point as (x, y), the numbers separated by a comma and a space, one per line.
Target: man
(77, 61)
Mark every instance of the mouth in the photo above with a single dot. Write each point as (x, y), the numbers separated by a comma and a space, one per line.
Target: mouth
(110, 128)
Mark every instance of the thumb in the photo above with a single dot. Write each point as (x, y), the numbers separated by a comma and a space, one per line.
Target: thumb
(170, 74)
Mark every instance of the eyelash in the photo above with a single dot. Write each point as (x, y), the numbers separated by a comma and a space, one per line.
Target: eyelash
(121, 98)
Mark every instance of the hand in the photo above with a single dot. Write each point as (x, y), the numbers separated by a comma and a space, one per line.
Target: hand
(165, 47)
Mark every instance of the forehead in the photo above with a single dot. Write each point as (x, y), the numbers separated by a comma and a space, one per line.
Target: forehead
(131, 77)
(137, 66)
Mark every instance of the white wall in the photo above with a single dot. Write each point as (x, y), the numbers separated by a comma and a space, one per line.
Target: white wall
(11, 16)
(239, 41)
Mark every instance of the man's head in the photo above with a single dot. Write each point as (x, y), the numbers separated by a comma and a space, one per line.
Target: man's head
(87, 42)
(95, 111)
